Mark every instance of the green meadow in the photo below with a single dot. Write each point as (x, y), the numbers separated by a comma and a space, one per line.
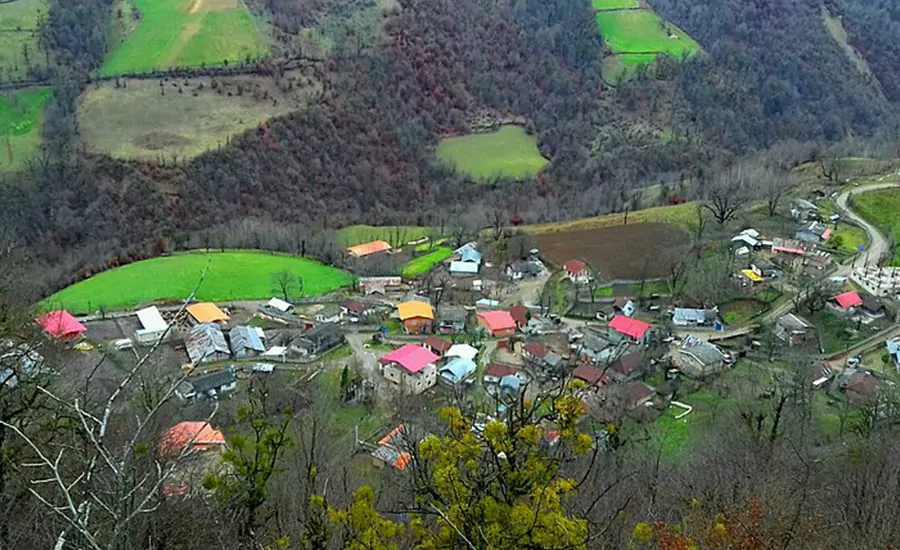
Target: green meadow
(20, 126)
(19, 47)
(186, 33)
(424, 263)
(602, 5)
(882, 208)
(508, 151)
(246, 275)
(642, 31)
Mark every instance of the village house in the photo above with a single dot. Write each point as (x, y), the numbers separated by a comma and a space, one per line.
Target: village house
(871, 309)
(187, 438)
(389, 451)
(524, 269)
(765, 269)
(247, 341)
(589, 374)
(330, 314)
(534, 352)
(462, 350)
(417, 317)
(814, 233)
(62, 326)
(468, 260)
(205, 343)
(859, 386)
(487, 303)
(368, 249)
(153, 326)
(206, 312)
(698, 358)
(207, 386)
(495, 372)
(627, 367)
(380, 285)
(278, 306)
(629, 330)
(499, 324)
(468, 253)
(413, 368)
(356, 311)
(803, 210)
(437, 346)
(577, 271)
(748, 238)
(594, 347)
(793, 329)
(692, 317)
(893, 349)
(846, 302)
(625, 306)
(451, 319)
(636, 395)
(319, 340)
(457, 371)
(520, 315)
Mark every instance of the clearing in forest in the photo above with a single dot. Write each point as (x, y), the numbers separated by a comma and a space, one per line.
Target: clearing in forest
(144, 120)
(603, 5)
(634, 251)
(21, 114)
(424, 263)
(19, 47)
(509, 152)
(184, 33)
(246, 275)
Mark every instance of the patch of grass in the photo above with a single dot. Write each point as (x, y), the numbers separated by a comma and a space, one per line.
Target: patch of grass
(601, 5)
(230, 276)
(396, 235)
(19, 22)
(343, 351)
(623, 66)
(423, 264)
(881, 208)
(509, 151)
(642, 31)
(137, 122)
(740, 311)
(838, 333)
(682, 215)
(186, 33)
(848, 238)
(20, 126)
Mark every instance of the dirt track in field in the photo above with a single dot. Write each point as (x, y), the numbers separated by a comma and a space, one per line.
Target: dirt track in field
(636, 251)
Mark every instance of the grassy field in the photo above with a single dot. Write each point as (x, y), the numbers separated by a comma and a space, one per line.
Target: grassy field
(424, 263)
(507, 152)
(601, 5)
(230, 276)
(396, 235)
(642, 31)
(883, 209)
(185, 33)
(624, 65)
(683, 215)
(19, 21)
(20, 126)
(139, 122)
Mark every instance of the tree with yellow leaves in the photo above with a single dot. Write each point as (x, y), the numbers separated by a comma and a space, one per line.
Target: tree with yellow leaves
(496, 485)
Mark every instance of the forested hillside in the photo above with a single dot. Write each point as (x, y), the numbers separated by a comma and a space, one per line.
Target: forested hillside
(363, 151)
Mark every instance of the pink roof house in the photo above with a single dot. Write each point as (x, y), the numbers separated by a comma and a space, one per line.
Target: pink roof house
(61, 325)
(412, 367)
(848, 299)
(627, 326)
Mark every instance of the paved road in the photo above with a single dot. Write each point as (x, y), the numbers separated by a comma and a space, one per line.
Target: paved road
(879, 247)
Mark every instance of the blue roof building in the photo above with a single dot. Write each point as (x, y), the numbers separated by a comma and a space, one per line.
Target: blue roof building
(458, 370)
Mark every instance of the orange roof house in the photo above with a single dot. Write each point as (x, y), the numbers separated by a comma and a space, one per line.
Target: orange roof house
(498, 323)
(207, 312)
(367, 249)
(192, 437)
(390, 449)
(417, 317)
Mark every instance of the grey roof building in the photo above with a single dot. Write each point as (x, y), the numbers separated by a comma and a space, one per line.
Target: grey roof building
(246, 342)
(210, 385)
(206, 343)
(321, 338)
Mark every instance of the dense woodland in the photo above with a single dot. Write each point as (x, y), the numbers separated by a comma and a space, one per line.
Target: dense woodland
(771, 75)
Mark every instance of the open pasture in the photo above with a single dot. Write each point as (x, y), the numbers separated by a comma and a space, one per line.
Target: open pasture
(603, 5)
(642, 31)
(882, 208)
(185, 33)
(246, 275)
(508, 151)
(634, 251)
(19, 47)
(139, 122)
(20, 126)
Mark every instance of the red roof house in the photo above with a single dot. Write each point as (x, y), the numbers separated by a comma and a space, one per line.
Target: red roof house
(436, 345)
(627, 326)
(411, 357)
(61, 325)
(534, 350)
(576, 269)
(520, 315)
(495, 371)
(588, 374)
(498, 323)
(848, 299)
(190, 436)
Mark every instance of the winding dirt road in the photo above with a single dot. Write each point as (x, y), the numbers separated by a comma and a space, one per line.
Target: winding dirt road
(879, 246)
